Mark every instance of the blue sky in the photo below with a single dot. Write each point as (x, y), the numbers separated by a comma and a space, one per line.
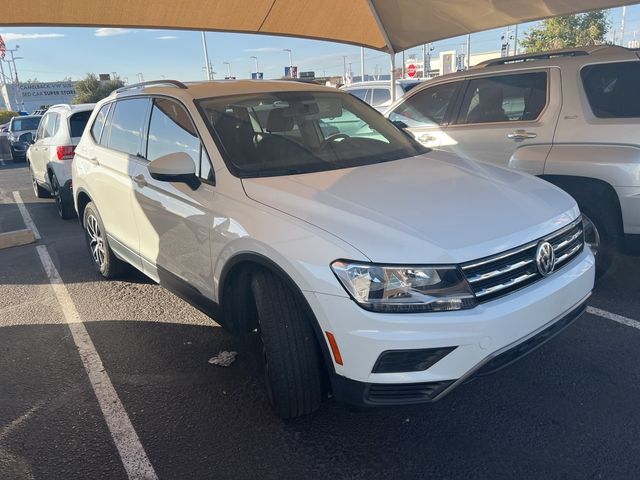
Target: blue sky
(53, 53)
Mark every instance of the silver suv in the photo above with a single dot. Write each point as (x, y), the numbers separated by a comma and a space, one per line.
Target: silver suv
(571, 117)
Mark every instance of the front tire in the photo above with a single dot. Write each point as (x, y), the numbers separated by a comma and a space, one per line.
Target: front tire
(103, 258)
(292, 357)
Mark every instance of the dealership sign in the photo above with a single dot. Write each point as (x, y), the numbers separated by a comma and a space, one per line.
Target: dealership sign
(46, 90)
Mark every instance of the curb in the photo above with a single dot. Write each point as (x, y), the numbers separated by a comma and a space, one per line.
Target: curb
(16, 238)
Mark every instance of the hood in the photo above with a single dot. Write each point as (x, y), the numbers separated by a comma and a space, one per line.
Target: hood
(433, 208)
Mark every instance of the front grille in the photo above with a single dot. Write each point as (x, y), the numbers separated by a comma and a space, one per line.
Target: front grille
(498, 275)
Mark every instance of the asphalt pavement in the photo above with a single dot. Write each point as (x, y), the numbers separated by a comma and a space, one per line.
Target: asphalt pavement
(568, 410)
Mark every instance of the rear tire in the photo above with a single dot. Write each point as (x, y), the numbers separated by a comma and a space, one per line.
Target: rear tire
(65, 210)
(291, 354)
(603, 215)
(103, 258)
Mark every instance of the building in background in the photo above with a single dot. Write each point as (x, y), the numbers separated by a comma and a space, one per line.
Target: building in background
(33, 95)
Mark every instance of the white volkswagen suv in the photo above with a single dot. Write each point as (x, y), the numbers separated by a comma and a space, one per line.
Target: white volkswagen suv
(364, 264)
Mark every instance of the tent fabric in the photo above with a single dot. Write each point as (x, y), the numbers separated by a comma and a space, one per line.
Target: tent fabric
(387, 25)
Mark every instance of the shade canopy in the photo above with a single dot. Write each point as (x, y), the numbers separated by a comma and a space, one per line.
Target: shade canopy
(388, 25)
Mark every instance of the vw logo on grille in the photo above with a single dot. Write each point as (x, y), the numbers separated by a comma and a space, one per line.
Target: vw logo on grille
(545, 258)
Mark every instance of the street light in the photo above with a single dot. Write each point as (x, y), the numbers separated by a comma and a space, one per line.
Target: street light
(288, 50)
(228, 64)
(255, 60)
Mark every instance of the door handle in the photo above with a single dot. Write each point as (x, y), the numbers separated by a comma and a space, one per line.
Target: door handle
(521, 135)
(140, 180)
(426, 138)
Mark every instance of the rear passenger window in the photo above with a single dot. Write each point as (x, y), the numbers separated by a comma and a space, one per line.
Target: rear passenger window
(504, 98)
(126, 125)
(78, 122)
(98, 123)
(612, 89)
(171, 131)
(427, 107)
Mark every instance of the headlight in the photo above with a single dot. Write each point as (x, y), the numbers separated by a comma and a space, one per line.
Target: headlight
(405, 289)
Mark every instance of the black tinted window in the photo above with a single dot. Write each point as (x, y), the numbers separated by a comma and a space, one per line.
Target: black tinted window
(504, 98)
(77, 122)
(612, 89)
(361, 93)
(427, 107)
(171, 131)
(19, 124)
(126, 125)
(98, 123)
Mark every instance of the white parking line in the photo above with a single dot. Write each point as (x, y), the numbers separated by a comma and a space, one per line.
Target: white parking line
(614, 316)
(28, 221)
(132, 454)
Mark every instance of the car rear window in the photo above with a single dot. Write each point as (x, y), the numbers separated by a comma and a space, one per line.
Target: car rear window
(612, 89)
(26, 123)
(77, 123)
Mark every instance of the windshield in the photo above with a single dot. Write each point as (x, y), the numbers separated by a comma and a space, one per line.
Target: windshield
(25, 123)
(283, 133)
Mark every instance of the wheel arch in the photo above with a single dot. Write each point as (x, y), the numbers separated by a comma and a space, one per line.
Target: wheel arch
(236, 273)
(82, 199)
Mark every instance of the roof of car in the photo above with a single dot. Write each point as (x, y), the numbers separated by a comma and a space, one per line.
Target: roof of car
(20, 117)
(73, 107)
(219, 88)
(370, 83)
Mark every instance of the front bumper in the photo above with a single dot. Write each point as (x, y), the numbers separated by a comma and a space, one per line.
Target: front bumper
(479, 335)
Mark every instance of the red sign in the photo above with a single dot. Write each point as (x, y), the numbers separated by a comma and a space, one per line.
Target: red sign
(411, 70)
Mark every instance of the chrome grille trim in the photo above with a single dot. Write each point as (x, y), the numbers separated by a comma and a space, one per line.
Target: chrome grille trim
(494, 273)
(500, 274)
(502, 286)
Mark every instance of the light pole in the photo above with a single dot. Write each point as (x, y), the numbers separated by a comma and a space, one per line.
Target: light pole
(288, 50)
(207, 63)
(362, 64)
(255, 59)
(228, 64)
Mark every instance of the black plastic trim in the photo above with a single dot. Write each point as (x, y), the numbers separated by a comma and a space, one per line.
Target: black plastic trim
(189, 294)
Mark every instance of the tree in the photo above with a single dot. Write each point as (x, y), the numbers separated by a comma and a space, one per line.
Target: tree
(567, 31)
(5, 115)
(91, 90)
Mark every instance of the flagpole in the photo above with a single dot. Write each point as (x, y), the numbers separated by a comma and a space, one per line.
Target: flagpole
(2, 72)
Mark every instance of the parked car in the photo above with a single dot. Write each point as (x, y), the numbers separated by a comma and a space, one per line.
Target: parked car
(363, 264)
(40, 111)
(4, 128)
(19, 143)
(569, 116)
(52, 150)
(378, 93)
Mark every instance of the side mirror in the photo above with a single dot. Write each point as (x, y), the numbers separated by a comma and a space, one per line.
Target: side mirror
(400, 124)
(26, 137)
(175, 167)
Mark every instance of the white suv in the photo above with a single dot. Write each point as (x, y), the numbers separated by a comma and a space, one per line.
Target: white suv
(364, 264)
(571, 117)
(52, 150)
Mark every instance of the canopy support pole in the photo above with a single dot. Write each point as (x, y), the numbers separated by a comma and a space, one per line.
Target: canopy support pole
(206, 57)
(392, 51)
(392, 57)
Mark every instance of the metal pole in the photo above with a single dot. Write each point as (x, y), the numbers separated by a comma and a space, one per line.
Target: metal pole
(392, 58)
(424, 60)
(228, 69)
(403, 62)
(2, 73)
(344, 69)
(468, 52)
(515, 42)
(624, 17)
(206, 56)
(362, 64)
(10, 72)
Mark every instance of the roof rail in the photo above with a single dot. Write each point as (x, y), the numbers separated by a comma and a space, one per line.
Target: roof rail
(533, 56)
(174, 83)
(59, 105)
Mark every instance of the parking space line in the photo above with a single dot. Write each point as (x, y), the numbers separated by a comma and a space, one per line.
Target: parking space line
(614, 317)
(28, 221)
(132, 454)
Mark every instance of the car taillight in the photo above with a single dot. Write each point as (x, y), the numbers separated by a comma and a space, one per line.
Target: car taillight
(65, 152)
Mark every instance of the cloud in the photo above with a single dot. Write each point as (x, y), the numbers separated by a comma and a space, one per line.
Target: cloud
(263, 50)
(8, 37)
(166, 37)
(110, 32)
